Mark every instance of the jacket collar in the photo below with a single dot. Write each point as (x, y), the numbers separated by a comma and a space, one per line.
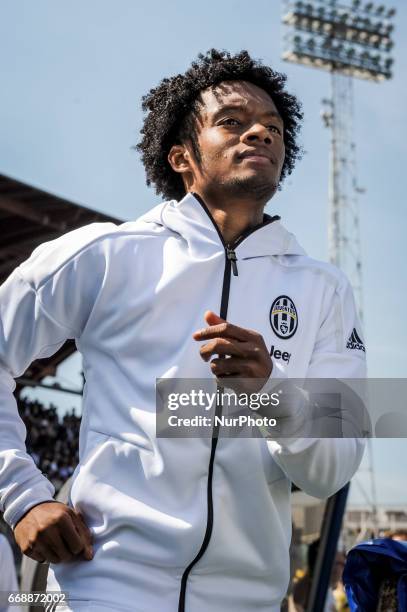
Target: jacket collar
(191, 219)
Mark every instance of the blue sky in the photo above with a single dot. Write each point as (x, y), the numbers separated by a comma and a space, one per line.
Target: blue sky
(72, 78)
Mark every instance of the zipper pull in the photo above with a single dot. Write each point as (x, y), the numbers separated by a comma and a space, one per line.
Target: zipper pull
(231, 255)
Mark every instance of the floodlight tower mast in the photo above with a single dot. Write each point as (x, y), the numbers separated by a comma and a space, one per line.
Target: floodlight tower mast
(349, 40)
(343, 228)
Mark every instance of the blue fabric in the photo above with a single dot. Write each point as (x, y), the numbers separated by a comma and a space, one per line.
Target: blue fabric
(367, 565)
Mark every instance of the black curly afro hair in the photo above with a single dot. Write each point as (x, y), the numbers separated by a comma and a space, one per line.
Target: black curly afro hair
(173, 106)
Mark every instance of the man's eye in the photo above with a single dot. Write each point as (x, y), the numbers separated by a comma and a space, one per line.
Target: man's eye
(230, 121)
(275, 128)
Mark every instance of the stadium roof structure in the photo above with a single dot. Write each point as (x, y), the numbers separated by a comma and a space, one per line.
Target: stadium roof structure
(28, 217)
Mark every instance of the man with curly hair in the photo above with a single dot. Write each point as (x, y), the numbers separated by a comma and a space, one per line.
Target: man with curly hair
(203, 286)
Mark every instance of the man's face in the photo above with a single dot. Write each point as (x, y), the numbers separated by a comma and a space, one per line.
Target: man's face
(240, 138)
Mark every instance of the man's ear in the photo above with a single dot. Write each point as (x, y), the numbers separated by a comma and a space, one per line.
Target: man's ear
(179, 159)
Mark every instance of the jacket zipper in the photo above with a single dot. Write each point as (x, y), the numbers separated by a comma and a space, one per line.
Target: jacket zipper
(230, 265)
(231, 255)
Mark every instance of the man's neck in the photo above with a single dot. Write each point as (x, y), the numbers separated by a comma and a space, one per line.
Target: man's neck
(234, 216)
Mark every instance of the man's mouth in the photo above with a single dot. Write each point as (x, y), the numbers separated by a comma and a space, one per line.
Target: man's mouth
(259, 157)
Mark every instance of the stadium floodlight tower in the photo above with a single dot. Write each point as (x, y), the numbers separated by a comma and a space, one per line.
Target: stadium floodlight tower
(349, 40)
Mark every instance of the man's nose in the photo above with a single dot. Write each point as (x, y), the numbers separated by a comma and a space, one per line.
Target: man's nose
(257, 132)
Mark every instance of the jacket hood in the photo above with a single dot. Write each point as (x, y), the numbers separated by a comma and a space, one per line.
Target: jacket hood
(192, 220)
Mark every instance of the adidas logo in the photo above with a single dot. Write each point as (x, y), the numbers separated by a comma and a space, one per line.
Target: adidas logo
(355, 342)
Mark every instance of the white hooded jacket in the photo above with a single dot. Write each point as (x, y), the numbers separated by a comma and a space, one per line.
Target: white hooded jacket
(190, 524)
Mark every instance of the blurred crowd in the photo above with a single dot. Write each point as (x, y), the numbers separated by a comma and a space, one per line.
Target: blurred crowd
(52, 441)
(336, 600)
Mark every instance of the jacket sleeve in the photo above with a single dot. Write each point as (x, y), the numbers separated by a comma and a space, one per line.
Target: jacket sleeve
(322, 466)
(45, 301)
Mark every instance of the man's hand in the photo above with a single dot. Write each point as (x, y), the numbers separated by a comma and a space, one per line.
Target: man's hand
(52, 531)
(242, 353)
